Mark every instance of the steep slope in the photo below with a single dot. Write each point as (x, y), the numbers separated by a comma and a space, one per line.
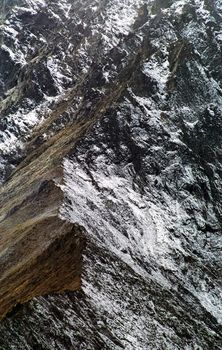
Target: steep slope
(126, 97)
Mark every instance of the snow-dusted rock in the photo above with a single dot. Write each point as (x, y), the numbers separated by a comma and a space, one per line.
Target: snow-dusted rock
(126, 97)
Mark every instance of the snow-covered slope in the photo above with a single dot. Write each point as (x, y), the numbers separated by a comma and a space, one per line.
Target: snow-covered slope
(144, 180)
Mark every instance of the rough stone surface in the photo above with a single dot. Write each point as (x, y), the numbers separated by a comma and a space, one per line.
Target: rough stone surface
(126, 97)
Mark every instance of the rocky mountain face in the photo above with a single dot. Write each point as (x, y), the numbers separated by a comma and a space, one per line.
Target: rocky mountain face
(110, 169)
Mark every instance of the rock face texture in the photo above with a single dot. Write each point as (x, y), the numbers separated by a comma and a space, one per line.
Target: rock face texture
(110, 169)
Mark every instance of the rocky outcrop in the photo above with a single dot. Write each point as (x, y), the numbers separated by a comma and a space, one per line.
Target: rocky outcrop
(40, 253)
(110, 167)
(45, 257)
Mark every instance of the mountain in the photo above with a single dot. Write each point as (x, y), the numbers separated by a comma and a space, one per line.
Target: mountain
(110, 168)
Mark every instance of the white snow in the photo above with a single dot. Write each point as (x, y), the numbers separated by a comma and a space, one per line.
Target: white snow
(35, 4)
(178, 6)
(8, 141)
(212, 304)
(13, 33)
(54, 66)
(102, 212)
(158, 70)
(16, 56)
(119, 20)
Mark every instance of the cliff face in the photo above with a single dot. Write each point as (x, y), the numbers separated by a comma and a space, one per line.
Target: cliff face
(110, 163)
